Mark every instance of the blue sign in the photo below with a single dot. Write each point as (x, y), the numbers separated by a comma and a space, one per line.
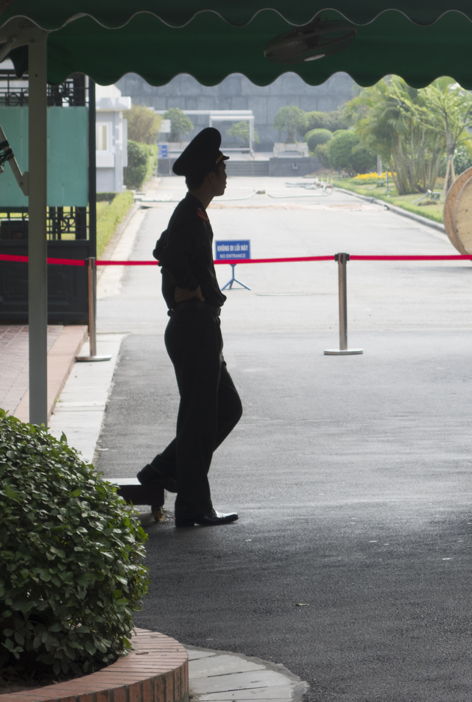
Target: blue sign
(235, 248)
(163, 151)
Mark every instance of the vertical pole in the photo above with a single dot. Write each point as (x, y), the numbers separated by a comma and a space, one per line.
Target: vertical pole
(342, 295)
(92, 173)
(92, 313)
(92, 305)
(37, 244)
(343, 350)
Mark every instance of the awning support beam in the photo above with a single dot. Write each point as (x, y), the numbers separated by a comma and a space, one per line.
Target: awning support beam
(37, 243)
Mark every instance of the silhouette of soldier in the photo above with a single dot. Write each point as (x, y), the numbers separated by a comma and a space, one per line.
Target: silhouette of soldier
(209, 403)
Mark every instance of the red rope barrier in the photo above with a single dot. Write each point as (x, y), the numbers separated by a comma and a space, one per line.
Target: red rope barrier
(77, 262)
(54, 261)
(126, 263)
(452, 257)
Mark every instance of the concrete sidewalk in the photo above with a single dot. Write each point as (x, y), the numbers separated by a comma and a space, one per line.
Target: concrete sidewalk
(64, 342)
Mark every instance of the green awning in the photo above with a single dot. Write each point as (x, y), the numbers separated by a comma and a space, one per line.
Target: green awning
(158, 40)
(52, 14)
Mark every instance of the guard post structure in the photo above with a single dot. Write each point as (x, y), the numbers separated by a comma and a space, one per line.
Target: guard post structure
(92, 313)
(343, 350)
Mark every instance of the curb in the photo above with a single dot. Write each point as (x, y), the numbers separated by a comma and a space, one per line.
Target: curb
(155, 670)
(397, 210)
(217, 676)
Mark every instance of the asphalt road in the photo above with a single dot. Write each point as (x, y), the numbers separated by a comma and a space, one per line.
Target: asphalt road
(350, 563)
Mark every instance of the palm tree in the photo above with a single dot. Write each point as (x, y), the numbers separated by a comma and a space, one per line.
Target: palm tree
(416, 132)
(447, 108)
(387, 124)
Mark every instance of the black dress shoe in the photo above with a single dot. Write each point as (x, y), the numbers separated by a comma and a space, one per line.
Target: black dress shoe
(151, 477)
(212, 518)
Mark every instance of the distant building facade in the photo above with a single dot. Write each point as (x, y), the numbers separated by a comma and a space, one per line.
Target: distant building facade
(237, 92)
(111, 138)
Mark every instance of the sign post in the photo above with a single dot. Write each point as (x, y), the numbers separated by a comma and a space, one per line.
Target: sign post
(230, 250)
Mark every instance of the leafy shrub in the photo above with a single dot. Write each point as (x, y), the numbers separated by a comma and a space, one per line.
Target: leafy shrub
(462, 158)
(315, 137)
(327, 120)
(151, 163)
(135, 171)
(72, 559)
(240, 132)
(290, 121)
(322, 154)
(347, 154)
(142, 164)
(109, 216)
(180, 124)
(362, 159)
(143, 124)
(340, 149)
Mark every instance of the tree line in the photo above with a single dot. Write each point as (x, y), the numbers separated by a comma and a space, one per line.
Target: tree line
(418, 134)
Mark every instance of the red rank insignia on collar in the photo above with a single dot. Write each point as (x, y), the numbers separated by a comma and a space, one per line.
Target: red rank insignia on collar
(202, 214)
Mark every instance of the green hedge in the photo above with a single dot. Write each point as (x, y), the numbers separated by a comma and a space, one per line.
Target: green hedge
(142, 163)
(151, 169)
(109, 217)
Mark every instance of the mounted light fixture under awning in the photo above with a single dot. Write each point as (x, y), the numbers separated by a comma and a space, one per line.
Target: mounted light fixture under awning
(314, 41)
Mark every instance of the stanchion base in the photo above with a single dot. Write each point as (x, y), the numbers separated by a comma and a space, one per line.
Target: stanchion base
(343, 352)
(81, 359)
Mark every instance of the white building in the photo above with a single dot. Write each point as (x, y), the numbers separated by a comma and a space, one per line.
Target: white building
(112, 138)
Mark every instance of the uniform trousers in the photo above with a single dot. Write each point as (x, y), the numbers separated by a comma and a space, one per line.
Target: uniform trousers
(209, 403)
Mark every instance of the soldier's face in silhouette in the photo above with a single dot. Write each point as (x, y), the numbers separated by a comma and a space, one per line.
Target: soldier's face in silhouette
(218, 179)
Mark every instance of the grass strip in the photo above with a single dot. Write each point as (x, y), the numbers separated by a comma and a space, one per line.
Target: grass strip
(109, 216)
(417, 203)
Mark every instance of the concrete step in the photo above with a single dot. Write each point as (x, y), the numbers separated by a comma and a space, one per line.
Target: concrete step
(247, 168)
(131, 490)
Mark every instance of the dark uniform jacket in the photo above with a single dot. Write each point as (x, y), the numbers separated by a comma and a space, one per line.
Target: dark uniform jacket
(185, 253)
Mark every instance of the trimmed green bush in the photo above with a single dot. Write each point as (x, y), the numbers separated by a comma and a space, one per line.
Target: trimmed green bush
(135, 171)
(151, 164)
(322, 154)
(315, 137)
(142, 164)
(327, 120)
(109, 216)
(346, 153)
(72, 559)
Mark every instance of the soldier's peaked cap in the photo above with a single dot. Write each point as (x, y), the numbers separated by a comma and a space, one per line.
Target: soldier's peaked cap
(201, 155)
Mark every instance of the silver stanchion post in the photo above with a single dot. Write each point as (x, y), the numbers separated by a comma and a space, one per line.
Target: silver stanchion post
(342, 259)
(92, 313)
